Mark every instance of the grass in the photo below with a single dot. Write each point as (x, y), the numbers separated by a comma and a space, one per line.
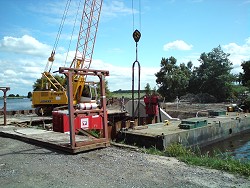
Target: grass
(127, 95)
(218, 161)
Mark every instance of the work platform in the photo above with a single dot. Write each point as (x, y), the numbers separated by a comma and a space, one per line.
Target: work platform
(31, 128)
(51, 139)
(28, 119)
(160, 135)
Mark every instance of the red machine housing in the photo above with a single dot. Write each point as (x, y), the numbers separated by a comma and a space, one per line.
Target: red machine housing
(151, 103)
(61, 122)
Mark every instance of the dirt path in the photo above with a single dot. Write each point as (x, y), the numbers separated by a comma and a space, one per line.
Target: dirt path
(25, 165)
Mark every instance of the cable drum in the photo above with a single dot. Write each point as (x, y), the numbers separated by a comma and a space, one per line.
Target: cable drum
(86, 106)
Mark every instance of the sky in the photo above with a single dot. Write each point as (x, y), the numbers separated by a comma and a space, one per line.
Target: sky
(180, 28)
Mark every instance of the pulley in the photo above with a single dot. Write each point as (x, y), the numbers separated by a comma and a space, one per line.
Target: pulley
(136, 35)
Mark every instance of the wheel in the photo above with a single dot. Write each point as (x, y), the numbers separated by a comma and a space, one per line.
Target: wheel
(39, 111)
(43, 111)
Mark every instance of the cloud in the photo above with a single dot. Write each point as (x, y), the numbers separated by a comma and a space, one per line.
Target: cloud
(177, 45)
(121, 77)
(115, 8)
(22, 59)
(238, 53)
(24, 45)
(9, 72)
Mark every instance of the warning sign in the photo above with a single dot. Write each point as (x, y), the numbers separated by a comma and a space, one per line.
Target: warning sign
(84, 123)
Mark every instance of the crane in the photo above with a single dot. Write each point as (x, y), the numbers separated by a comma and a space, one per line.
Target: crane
(54, 93)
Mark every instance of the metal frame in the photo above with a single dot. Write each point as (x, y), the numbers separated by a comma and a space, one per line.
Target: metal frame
(87, 33)
(70, 73)
(136, 36)
(4, 89)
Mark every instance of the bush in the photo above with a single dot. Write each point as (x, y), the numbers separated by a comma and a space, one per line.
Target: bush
(218, 160)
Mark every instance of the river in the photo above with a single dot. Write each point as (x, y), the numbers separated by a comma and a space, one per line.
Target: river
(16, 104)
(237, 146)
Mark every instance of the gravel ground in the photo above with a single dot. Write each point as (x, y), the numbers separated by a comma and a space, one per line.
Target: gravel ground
(26, 165)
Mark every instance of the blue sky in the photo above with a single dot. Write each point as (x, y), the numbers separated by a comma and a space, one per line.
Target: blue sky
(180, 28)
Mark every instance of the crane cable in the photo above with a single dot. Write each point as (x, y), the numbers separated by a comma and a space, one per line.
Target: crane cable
(51, 58)
(62, 24)
(133, 14)
(73, 30)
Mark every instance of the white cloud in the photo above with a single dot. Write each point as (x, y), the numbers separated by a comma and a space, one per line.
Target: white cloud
(121, 77)
(22, 59)
(238, 54)
(22, 69)
(177, 45)
(24, 45)
(115, 8)
(9, 72)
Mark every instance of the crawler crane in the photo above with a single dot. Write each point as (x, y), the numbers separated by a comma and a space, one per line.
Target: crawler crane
(54, 93)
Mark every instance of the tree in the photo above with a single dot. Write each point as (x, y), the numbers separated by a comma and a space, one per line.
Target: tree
(213, 75)
(245, 76)
(148, 89)
(173, 80)
(107, 91)
(12, 95)
(40, 83)
(29, 95)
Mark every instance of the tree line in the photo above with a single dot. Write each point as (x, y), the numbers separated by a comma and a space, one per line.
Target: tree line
(212, 78)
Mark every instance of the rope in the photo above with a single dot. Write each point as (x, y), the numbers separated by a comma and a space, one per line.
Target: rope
(72, 32)
(140, 14)
(133, 14)
(62, 24)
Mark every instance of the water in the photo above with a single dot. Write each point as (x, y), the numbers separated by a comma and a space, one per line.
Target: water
(17, 104)
(237, 146)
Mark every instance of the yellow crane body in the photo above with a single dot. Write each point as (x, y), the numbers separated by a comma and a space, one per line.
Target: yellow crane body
(45, 101)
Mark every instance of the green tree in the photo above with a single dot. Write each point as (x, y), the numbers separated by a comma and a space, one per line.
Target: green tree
(107, 91)
(41, 83)
(12, 95)
(173, 80)
(245, 76)
(213, 75)
(29, 95)
(148, 89)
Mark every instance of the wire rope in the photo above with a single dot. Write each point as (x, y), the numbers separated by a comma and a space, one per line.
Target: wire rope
(140, 15)
(73, 30)
(61, 24)
(133, 14)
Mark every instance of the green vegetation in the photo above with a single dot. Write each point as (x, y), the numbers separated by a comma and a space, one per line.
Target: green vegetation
(217, 161)
(41, 83)
(212, 77)
(245, 76)
(173, 79)
(12, 96)
(127, 95)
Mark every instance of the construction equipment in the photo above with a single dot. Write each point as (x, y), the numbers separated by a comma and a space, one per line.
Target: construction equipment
(53, 93)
